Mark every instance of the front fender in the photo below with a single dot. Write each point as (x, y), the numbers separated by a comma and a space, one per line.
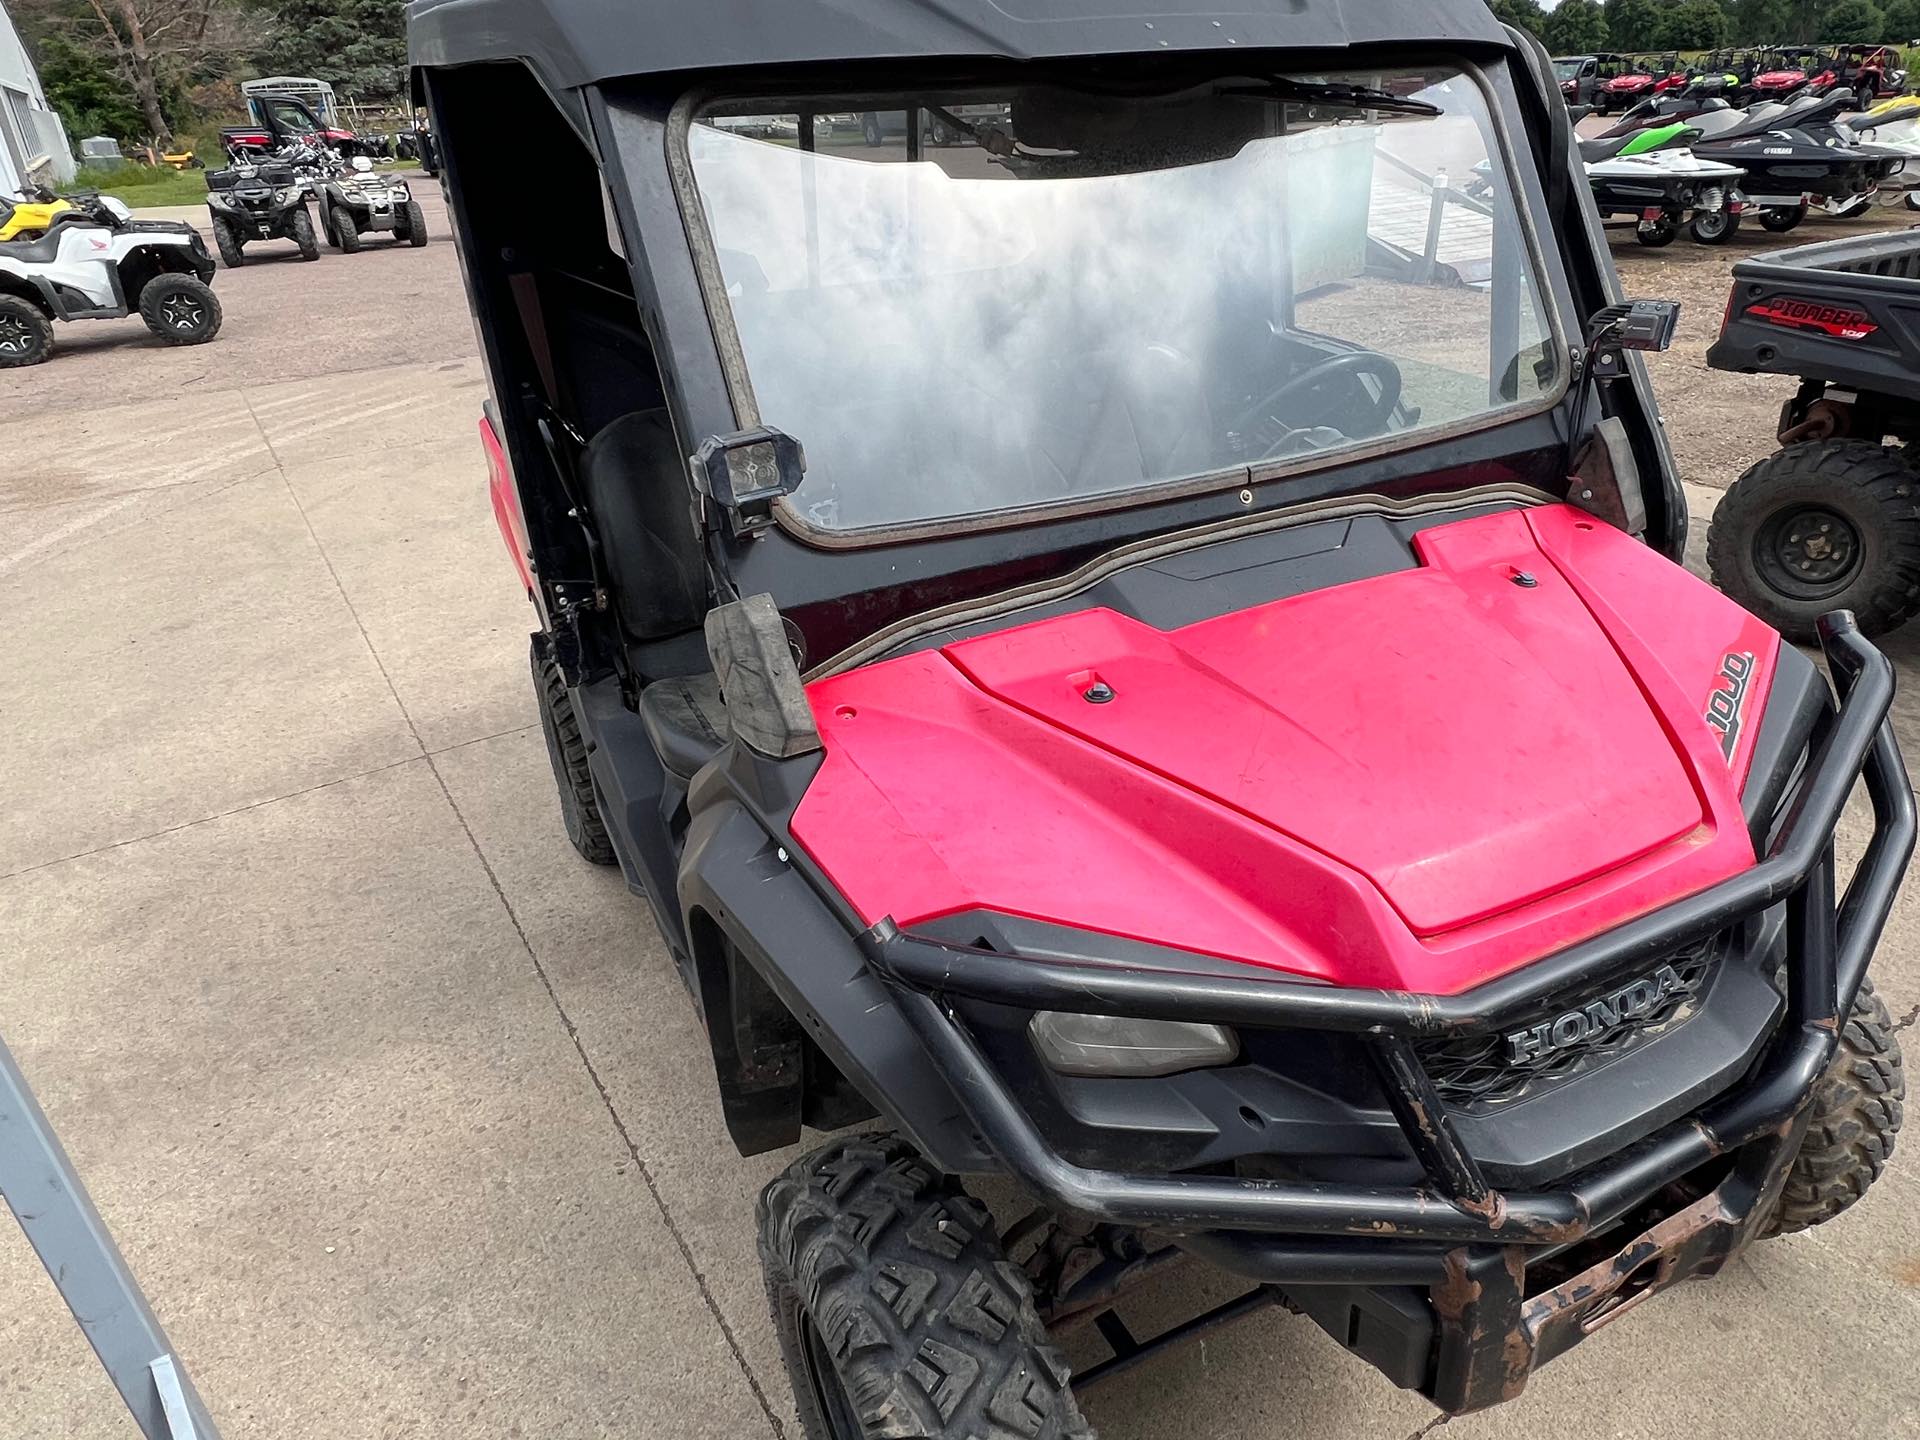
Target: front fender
(734, 880)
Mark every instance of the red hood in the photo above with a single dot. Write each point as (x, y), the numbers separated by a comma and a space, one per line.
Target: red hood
(1629, 83)
(1414, 780)
(1774, 79)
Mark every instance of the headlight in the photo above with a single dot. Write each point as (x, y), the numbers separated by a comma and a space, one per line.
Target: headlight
(1108, 1045)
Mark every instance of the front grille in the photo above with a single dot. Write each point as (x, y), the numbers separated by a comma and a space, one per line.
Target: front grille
(1478, 1073)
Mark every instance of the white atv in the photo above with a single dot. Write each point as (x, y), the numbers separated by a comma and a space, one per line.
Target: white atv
(99, 263)
(362, 202)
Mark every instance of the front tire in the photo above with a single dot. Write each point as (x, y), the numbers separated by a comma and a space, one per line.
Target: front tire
(228, 242)
(567, 752)
(898, 1313)
(346, 229)
(416, 229)
(1823, 525)
(1779, 219)
(1714, 227)
(26, 335)
(302, 232)
(180, 309)
(1856, 1115)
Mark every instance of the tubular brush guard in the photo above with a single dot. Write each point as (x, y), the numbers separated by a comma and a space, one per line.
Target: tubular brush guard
(1491, 1332)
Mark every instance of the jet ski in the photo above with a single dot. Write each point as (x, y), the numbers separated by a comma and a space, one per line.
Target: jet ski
(1797, 159)
(1895, 125)
(1651, 178)
(1703, 96)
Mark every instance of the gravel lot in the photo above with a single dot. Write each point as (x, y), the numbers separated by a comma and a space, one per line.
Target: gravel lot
(397, 1109)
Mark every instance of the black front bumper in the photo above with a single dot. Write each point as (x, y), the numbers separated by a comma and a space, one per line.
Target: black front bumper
(1468, 1245)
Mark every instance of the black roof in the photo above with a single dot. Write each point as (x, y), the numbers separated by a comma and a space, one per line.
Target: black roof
(571, 43)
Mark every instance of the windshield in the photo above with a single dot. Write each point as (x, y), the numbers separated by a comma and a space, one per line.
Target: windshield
(1568, 69)
(986, 304)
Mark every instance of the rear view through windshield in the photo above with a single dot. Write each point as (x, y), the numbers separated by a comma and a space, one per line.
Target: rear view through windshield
(974, 305)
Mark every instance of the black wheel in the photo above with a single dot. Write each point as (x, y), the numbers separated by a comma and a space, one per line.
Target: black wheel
(1856, 1115)
(26, 335)
(1913, 199)
(870, 130)
(1782, 218)
(227, 240)
(302, 232)
(180, 309)
(898, 1313)
(567, 750)
(1863, 98)
(415, 231)
(1825, 525)
(1714, 227)
(346, 230)
(327, 232)
(1656, 233)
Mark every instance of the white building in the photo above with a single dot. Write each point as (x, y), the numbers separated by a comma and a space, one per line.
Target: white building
(32, 139)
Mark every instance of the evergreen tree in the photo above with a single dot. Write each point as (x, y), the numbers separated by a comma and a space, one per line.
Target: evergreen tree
(1692, 25)
(1853, 20)
(1902, 21)
(1763, 22)
(1579, 27)
(357, 46)
(90, 97)
(1631, 24)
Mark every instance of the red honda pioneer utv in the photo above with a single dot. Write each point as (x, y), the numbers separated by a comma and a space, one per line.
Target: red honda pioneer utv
(1139, 649)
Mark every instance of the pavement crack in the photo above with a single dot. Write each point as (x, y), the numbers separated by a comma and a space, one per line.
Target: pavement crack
(209, 819)
(644, 1170)
(1431, 1426)
(1906, 1020)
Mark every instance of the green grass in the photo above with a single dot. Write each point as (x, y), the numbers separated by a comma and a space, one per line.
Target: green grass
(143, 185)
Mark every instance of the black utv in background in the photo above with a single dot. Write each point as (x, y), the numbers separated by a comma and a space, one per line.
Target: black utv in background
(1832, 518)
(259, 201)
(1124, 619)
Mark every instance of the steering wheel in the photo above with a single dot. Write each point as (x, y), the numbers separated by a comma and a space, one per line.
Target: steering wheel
(1360, 362)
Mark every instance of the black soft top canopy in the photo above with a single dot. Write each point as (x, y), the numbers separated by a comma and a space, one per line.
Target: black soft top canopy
(571, 43)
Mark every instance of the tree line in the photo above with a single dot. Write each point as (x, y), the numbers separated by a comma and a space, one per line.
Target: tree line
(139, 70)
(1580, 27)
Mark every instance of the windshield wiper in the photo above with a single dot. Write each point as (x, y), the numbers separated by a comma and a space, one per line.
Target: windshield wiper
(1352, 97)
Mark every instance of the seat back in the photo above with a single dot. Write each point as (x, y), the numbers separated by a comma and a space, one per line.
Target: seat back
(638, 491)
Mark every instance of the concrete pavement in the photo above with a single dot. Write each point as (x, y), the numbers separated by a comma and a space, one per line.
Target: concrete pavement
(396, 1107)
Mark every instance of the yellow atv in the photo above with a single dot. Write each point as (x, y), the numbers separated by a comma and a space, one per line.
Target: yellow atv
(30, 215)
